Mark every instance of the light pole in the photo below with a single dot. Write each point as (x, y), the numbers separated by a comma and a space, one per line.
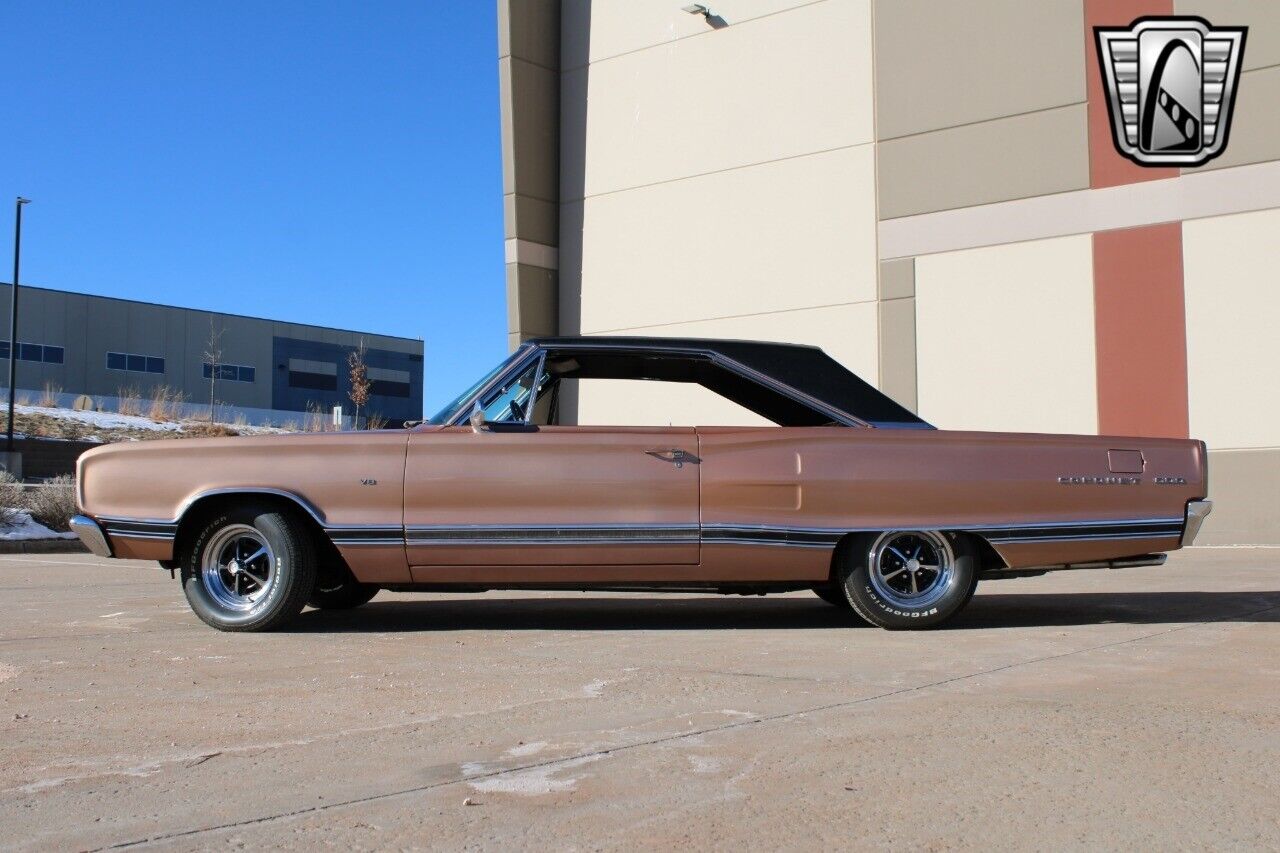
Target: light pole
(13, 319)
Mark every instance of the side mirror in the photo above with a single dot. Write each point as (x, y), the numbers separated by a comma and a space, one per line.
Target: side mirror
(477, 421)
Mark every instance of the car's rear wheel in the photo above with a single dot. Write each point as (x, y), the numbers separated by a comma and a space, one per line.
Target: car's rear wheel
(249, 569)
(909, 578)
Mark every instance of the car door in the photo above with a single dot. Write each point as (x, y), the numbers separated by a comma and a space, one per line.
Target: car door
(518, 495)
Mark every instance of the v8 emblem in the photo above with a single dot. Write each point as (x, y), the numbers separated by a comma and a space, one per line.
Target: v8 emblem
(368, 481)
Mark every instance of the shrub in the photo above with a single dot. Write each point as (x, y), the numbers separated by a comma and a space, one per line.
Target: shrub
(315, 419)
(375, 421)
(166, 403)
(130, 402)
(12, 499)
(53, 503)
(49, 399)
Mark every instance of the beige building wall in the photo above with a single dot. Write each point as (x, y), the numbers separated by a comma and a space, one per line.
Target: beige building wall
(1005, 337)
(719, 181)
(1234, 368)
(917, 186)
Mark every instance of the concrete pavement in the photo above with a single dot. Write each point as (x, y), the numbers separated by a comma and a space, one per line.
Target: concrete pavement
(1089, 709)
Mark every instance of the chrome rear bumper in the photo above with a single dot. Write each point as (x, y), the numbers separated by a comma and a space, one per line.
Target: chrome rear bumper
(91, 535)
(1197, 512)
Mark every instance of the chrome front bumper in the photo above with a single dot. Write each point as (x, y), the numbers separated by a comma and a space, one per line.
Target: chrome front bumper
(91, 535)
(1197, 512)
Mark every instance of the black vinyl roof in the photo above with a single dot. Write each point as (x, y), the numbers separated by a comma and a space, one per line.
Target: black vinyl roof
(817, 377)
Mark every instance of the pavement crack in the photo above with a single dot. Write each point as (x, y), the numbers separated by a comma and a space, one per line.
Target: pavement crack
(602, 752)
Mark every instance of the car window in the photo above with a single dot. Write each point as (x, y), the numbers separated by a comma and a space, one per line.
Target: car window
(632, 402)
(511, 403)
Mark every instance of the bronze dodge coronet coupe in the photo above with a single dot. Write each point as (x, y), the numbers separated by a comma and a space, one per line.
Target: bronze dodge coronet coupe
(850, 495)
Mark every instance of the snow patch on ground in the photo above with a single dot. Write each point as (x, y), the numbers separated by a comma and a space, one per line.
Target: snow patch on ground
(527, 749)
(102, 420)
(536, 780)
(114, 421)
(705, 763)
(24, 528)
(594, 689)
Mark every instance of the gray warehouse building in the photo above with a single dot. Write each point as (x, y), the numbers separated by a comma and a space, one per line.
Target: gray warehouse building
(102, 346)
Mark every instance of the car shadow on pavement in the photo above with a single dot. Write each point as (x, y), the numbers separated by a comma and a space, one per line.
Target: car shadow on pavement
(689, 613)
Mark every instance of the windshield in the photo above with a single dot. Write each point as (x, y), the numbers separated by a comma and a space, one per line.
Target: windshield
(449, 411)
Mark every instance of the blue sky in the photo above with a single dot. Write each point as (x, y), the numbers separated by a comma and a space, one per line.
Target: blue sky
(320, 162)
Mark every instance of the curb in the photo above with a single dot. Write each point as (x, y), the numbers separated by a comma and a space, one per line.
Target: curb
(43, 546)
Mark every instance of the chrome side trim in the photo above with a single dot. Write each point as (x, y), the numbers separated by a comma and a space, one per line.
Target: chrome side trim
(1197, 512)
(91, 535)
(1123, 563)
(138, 528)
(553, 535)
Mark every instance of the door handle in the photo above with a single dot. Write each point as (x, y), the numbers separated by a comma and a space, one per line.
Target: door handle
(674, 455)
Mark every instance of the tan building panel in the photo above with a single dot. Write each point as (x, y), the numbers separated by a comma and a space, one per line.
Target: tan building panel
(1006, 337)
(898, 351)
(846, 332)
(532, 300)
(1233, 366)
(1242, 485)
(594, 31)
(941, 64)
(1011, 158)
(792, 234)
(897, 278)
(1262, 17)
(1255, 123)
(770, 88)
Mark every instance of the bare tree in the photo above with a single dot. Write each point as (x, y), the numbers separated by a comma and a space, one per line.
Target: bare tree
(360, 383)
(213, 358)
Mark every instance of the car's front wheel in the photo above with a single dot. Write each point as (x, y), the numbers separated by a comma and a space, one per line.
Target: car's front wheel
(249, 569)
(909, 578)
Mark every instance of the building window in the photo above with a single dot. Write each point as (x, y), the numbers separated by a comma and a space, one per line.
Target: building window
(134, 362)
(386, 388)
(313, 375)
(231, 372)
(33, 352)
(384, 382)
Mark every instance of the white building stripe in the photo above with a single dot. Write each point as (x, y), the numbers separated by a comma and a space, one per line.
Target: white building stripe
(1192, 196)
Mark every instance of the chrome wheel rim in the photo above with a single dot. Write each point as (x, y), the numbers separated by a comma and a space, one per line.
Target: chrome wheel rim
(238, 568)
(912, 568)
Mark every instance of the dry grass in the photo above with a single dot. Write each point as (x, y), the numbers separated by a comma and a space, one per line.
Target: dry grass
(204, 429)
(166, 404)
(315, 420)
(12, 499)
(130, 401)
(49, 399)
(23, 399)
(291, 426)
(53, 503)
(241, 421)
(375, 421)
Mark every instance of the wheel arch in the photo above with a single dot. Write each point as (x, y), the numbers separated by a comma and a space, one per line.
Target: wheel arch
(988, 557)
(197, 509)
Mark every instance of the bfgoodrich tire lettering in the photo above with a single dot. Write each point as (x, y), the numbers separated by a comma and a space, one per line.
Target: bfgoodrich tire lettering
(249, 569)
(909, 579)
